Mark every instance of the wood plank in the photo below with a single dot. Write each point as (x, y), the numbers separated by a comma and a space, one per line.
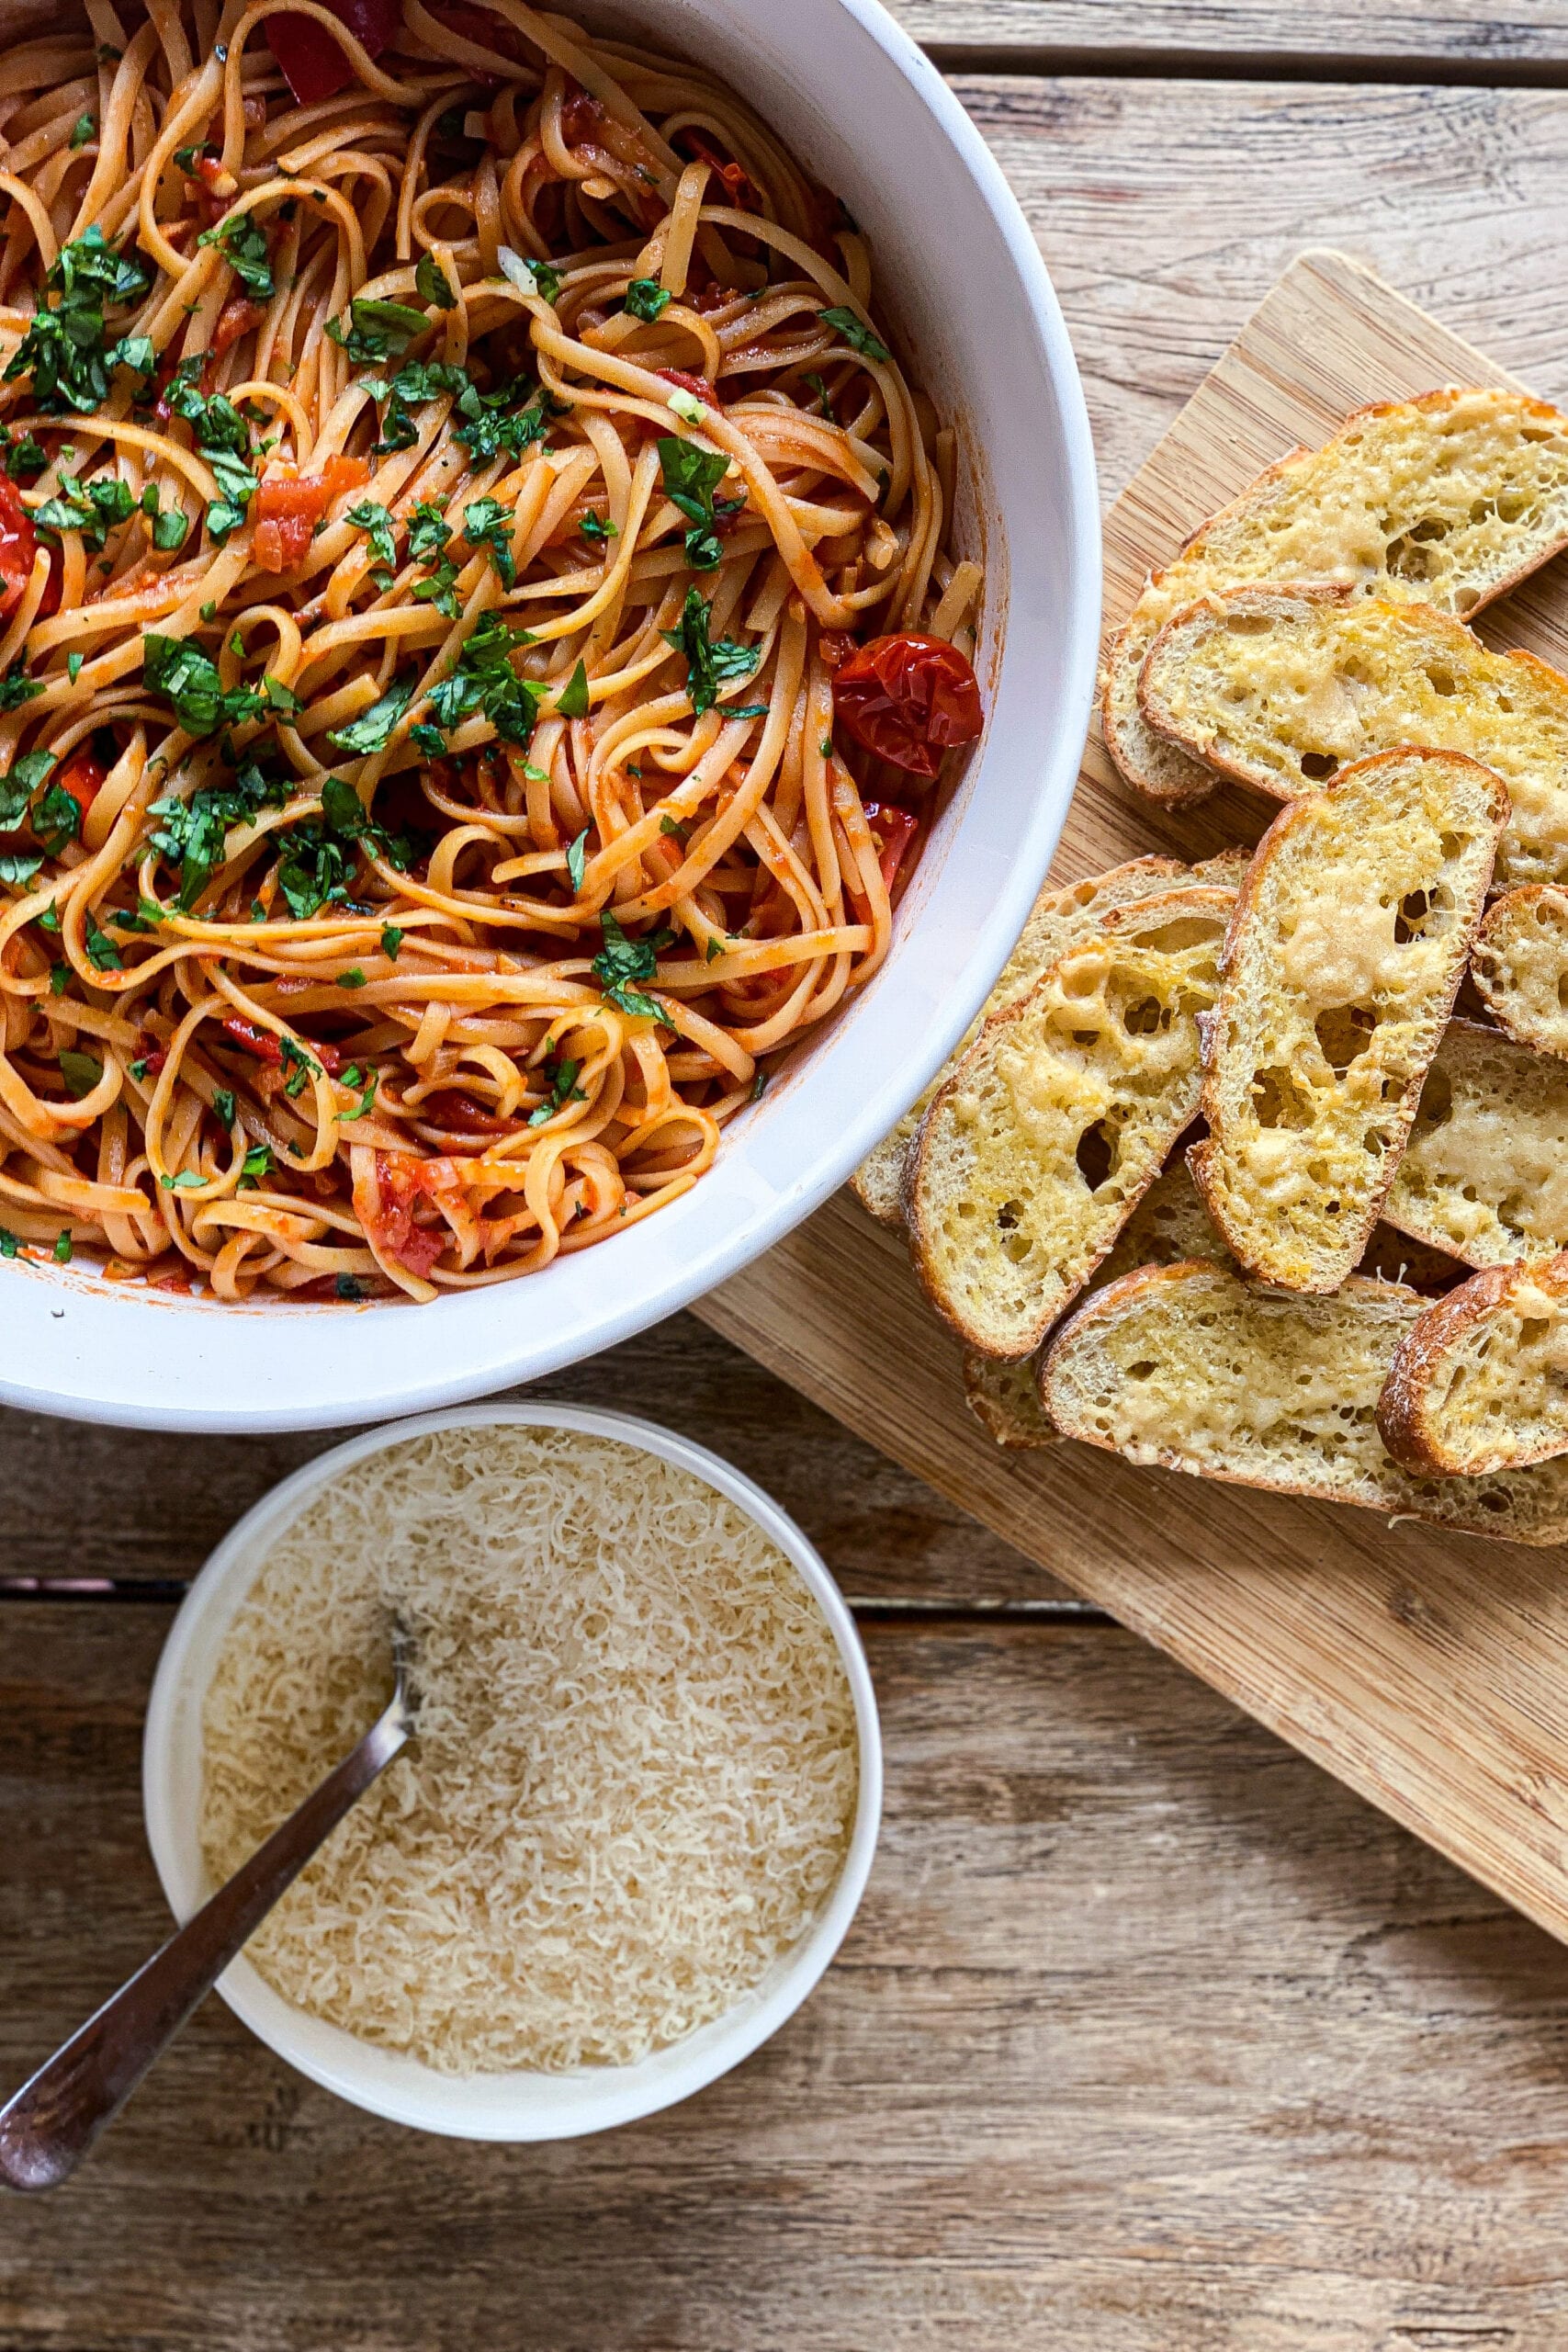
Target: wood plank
(1398, 36)
(1424, 1668)
(151, 1504)
(1148, 2037)
(1166, 210)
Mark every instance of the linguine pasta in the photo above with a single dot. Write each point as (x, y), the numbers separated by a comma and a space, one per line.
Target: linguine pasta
(436, 508)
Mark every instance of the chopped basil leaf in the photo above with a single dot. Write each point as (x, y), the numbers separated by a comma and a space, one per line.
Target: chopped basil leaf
(223, 1105)
(374, 729)
(712, 951)
(73, 666)
(9, 1245)
(377, 331)
(855, 334)
(177, 668)
(485, 680)
(691, 477)
(577, 860)
(59, 978)
(17, 688)
(598, 526)
(241, 241)
(488, 524)
(572, 702)
(187, 1181)
(19, 871)
(647, 299)
(258, 1163)
(674, 831)
(349, 1287)
(299, 1065)
(355, 979)
(80, 1072)
(708, 665)
(621, 961)
(376, 524)
(57, 818)
(102, 953)
(84, 128)
(391, 940)
(432, 283)
(193, 834)
(63, 349)
(169, 529)
(564, 1089)
(62, 1247)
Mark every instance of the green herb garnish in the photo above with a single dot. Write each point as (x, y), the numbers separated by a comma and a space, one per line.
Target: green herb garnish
(855, 333)
(709, 664)
(621, 961)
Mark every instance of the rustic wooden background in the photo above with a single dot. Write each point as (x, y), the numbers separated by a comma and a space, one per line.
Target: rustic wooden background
(1148, 2038)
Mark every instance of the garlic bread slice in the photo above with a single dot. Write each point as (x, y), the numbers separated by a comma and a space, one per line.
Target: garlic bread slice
(1520, 963)
(1035, 1152)
(1445, 499)
(1348, 945)
(1284, 687)
(1480, 1382)
(1192, 1368)
(1484, 1174)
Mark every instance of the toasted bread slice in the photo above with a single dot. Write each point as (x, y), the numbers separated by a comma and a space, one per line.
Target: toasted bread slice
(1060, 919)
(1346, 950)
(1480, 1384)
(1169, 1223)
(1283, 687)
(1192, 1368)
(1036, 1151)
(1445, 500)
(1520, 966)
(1485, 1172)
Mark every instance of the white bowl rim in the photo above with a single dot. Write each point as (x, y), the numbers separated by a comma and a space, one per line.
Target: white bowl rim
(391, 2085)
(381, 1383)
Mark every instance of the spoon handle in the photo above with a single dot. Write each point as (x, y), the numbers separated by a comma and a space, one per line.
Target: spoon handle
(49, 2126)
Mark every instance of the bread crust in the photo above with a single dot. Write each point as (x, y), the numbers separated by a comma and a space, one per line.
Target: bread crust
(1408, 1419)
(1205, 1158)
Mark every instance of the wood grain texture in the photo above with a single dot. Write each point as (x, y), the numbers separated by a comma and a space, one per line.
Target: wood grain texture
(1425, 1668)
(1166, 210)
(1394, 35)
(1147, 2039)
(153, 1504)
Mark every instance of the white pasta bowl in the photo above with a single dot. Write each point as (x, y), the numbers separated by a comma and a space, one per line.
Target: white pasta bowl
(513, 2106)
(956, 270)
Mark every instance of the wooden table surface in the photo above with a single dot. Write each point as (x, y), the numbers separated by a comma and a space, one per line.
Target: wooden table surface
(1148, 2038)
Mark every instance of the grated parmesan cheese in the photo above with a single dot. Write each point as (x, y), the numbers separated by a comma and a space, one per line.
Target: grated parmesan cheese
(635, 1770)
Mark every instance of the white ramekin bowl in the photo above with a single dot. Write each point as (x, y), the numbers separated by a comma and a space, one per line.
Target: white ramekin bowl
(483, 2107)
(956, 268)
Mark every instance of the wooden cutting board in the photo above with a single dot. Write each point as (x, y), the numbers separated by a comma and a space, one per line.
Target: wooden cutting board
(1429, 1671)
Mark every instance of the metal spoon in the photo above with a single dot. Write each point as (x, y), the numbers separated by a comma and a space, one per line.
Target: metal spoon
(49, 2126)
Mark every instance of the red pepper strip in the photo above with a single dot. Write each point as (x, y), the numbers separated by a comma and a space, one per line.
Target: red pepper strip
(698, 385)
(313, 63)
(260, 1042)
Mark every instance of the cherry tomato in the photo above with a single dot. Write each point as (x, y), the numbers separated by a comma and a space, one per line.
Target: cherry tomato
(288, 508)
(909, 699)
(401, 1182)
(81, 776)
(19, 547)
(255, 1040)
(892, 828)
(313, 63)
(452, 1108)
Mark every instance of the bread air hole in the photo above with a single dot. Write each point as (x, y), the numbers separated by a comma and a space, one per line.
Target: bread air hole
(1278, 1102)
(1532, 1330)
(1344, 1031)
(1441, 679)
(1096, 1154)
(1319, 766)
(1436, 1101)
(1147, 1017)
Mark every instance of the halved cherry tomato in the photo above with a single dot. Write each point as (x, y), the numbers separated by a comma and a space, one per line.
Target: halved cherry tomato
(313, 63)
(909, 699)
(401, 1183)
(892, 828)
(698, 385)
(237, 317)
(81, 776)
(18, 549)
(288, 507)
(257, 1041)
(581, 117)
(737, 183)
